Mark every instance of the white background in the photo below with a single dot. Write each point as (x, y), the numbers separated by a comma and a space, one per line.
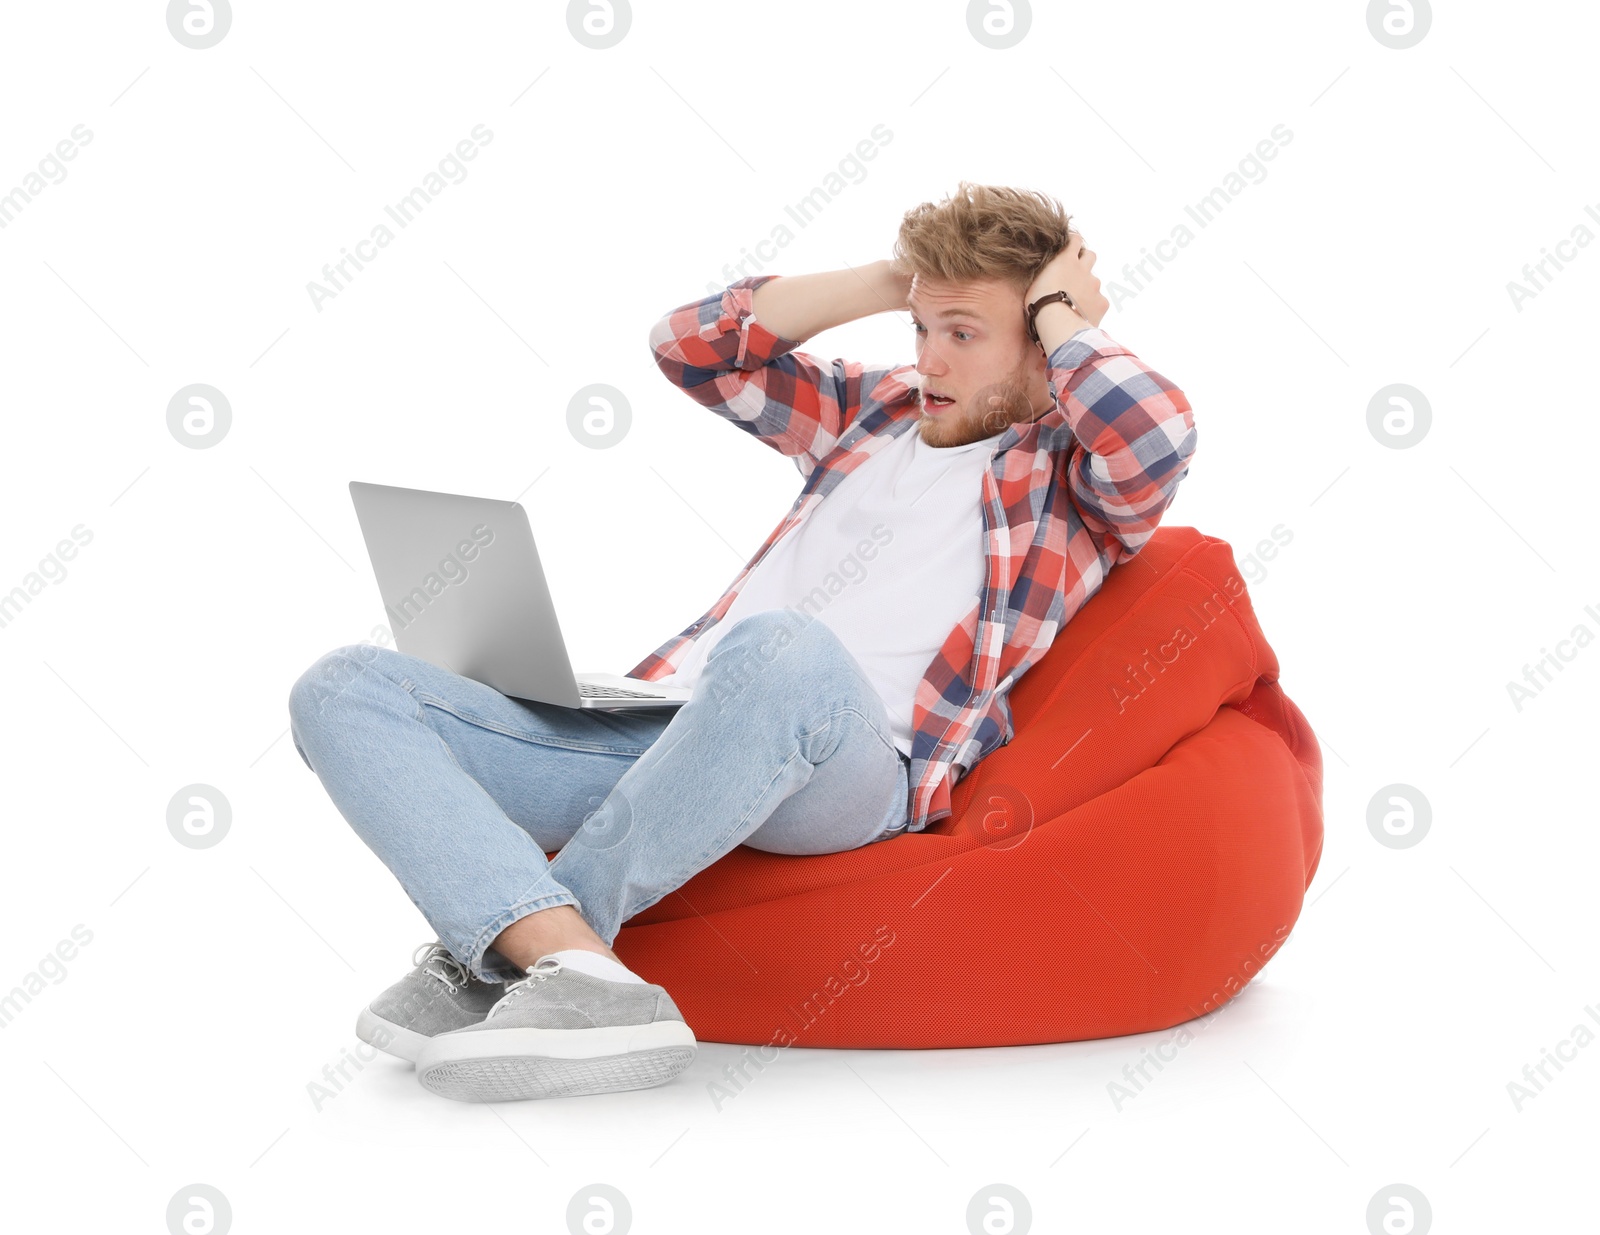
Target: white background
(1376, 1048)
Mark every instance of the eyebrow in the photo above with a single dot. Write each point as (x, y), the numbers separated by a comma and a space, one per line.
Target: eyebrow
(958, 311)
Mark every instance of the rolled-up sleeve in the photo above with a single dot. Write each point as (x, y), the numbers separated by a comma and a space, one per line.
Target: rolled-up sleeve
(717, 351)
(1135, 435)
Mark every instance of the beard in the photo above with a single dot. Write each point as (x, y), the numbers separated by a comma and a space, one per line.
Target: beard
(1002, 404)
(990, 411)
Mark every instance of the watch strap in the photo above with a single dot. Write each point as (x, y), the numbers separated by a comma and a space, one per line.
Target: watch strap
(1048, 298)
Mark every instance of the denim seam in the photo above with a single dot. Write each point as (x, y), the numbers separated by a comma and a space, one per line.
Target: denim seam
(521, 909)
(894, 750)
(704, 859)
(900, 761)
(433, 701)
(525, 905)
(867, 720)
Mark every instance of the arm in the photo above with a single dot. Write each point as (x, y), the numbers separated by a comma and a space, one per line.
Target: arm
(1134, 429)
(1134, 434)
(802, 305)
(733, 352)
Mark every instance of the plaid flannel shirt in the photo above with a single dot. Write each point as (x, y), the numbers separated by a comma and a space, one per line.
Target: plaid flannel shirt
(1066, 498)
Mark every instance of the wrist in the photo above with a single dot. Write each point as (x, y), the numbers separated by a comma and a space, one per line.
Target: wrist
(892, 286)
(1059, 311)
(1056, 323)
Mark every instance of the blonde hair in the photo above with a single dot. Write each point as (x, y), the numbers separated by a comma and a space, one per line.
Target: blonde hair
(982, 232)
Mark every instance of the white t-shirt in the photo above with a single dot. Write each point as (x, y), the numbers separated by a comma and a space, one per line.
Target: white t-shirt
(891, 561)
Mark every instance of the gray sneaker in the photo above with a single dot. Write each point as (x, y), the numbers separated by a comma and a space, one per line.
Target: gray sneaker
(437, 996)
(558, 1033)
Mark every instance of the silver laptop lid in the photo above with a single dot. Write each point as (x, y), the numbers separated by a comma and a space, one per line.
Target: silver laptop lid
(464, 589)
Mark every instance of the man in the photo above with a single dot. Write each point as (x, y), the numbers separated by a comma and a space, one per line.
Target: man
(955, 515)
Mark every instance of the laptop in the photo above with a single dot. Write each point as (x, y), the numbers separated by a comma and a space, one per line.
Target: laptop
(463, 588)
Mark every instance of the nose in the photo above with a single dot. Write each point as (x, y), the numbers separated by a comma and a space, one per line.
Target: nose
(928, 362)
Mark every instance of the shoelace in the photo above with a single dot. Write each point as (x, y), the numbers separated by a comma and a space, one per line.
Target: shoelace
(451, 971)
(544, 967)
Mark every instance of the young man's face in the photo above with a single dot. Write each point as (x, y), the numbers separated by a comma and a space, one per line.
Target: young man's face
(972, 345)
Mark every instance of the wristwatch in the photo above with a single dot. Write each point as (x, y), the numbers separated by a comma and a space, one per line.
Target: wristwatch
(1049, 298)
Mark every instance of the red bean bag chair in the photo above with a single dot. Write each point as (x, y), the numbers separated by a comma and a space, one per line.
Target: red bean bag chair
(1127, 862)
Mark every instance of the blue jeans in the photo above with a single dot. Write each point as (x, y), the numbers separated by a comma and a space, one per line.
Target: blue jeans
(784, 746)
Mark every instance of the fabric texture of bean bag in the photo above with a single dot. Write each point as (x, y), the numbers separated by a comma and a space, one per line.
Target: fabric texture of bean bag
(1127, 862)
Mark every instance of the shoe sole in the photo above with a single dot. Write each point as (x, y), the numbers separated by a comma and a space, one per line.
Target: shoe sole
(509, 1065)
(388, 1037)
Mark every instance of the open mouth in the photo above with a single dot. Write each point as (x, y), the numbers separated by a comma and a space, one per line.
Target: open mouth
(935, 401)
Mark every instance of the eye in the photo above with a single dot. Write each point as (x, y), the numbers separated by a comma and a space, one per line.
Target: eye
(919, 328)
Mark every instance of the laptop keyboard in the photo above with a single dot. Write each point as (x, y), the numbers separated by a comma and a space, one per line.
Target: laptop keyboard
(592, 691)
